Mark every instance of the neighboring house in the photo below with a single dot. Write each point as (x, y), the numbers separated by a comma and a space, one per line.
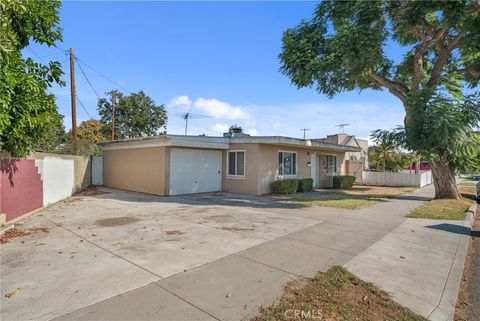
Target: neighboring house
(173, 165)
(350, 140)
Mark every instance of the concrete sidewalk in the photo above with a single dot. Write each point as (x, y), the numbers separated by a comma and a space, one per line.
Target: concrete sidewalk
(420, 262)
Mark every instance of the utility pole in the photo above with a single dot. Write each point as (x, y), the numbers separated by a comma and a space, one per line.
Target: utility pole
(187, 115)
(304, 131)
(113, 115)
(73, 100)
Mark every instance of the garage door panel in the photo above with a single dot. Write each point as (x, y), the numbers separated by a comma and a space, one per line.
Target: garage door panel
(194, 171)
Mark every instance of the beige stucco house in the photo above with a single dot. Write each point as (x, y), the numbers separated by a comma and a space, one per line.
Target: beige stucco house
(174, 165)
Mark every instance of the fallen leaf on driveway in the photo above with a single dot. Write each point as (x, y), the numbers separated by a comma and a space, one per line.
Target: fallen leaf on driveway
(12, 293)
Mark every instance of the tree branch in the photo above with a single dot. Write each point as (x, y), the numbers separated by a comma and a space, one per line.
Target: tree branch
(442, 59)
(471, 71)
(395, 88)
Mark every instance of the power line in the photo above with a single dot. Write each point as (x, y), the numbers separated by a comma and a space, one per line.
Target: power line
(84, 75)
(83, 106)
(105, 77)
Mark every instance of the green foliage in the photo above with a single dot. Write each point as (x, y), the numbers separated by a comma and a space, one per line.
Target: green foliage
(136, 115)
(342, 49)
(56, 139)
(386, 155)
(305, 185)
(90, 132)
(285, 186)
(442, 126)
(343, 181)
(28, 114)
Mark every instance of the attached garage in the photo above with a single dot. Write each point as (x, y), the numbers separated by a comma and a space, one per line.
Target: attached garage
(195, 171)
(164, 165)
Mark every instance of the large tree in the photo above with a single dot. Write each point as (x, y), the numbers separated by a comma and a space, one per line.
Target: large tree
(342, 48)
(28, 113)
(136, 115)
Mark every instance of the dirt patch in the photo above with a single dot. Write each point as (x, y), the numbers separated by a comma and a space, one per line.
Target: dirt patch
(116, 221)
(72, 200)
(468, 301)
(16, 232)
(174, 232)
(93, 191)
(336, 295)
(236, 229)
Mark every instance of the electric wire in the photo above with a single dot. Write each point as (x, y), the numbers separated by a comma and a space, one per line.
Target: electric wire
(102, 75)
(86, 78)
(83, 106)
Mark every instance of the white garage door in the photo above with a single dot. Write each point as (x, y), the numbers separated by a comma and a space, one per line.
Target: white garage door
(194, 171)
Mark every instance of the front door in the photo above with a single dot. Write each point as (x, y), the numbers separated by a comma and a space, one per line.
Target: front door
(314, 169)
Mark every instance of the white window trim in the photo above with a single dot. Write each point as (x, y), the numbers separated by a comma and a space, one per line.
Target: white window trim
(296, 164)
(336, 166)
(244, 164)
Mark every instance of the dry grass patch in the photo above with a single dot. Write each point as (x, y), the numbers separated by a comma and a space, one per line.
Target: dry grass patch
(442, 209)
(358, 196)
(447, 209)
(337, 295)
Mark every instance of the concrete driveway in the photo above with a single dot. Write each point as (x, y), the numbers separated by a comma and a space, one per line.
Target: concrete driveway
(101, 246)
(127, 256)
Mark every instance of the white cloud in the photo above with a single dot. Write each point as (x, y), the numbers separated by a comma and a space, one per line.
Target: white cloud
(220, 109)
(276, 124)
(220, 128)
(252, 132)
(180, 101)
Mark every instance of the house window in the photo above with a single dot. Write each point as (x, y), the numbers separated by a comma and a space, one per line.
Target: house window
(236, 163)
(287, 163)
(331, 165)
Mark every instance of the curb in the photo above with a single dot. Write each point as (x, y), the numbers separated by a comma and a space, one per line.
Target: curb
(471, 215)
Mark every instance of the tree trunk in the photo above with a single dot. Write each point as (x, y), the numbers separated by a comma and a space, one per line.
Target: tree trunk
(444, 179)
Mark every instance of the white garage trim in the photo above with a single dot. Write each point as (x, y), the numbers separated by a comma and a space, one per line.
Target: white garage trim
(195, 171)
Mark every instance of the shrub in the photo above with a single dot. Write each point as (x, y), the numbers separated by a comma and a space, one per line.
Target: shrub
(305, 185)
(285, 186)
(343, 182)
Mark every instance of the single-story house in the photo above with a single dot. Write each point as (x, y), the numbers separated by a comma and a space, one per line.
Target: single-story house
(174, 164)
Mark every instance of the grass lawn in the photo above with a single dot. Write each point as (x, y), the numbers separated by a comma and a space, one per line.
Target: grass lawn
(447, 209)
(336, 295)
(358, 196)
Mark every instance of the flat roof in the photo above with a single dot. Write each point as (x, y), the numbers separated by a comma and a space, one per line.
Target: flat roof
(213, 142)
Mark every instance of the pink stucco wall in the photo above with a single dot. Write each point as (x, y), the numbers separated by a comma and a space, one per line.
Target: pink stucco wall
(21, 189)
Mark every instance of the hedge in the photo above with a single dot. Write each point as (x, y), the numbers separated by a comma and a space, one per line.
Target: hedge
(285, 186)
(343, 181)
(305, 185)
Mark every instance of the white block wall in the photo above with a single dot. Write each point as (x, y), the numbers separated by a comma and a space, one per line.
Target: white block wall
(58, 179)
(97, 170)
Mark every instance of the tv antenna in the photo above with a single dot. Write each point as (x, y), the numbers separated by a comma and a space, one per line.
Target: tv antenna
(342, 126)
(187, 116)
(304, 131)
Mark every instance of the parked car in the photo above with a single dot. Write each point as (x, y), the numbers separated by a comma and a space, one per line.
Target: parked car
(423, 166)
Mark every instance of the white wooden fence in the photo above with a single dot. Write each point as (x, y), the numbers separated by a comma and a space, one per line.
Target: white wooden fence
(404, 178)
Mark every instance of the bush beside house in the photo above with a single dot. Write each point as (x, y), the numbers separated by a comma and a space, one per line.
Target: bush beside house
(305, 185)
(343, 181)
(285, 186)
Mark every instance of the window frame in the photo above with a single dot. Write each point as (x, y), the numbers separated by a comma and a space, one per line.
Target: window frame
(335, 173)
(295, 167)
(235, 176)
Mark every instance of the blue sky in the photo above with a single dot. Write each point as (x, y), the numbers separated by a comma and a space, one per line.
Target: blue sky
(218, 59)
